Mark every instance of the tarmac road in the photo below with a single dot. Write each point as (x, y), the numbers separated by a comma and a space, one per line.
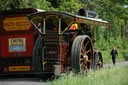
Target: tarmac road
(37, 81)
(22, 81)
(124, 63)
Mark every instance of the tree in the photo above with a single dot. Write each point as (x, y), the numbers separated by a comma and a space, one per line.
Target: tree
(113, 11)
(13, 4)
(71, 6)
(17, 4)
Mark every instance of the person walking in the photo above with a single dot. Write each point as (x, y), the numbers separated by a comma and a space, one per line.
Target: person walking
(114, 54)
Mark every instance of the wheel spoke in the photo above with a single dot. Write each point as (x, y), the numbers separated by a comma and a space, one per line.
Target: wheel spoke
(86, 45)
(89, 61)
(83, 68)
(100, 63)
(81, 64)
(83, 48)
(82, 54)
(81, 59)
(88, 51)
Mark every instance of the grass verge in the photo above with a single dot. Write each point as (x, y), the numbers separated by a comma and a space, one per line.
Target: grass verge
(107, 76)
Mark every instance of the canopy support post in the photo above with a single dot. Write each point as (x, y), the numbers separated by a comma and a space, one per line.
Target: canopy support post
(44, 26)
(59, 25)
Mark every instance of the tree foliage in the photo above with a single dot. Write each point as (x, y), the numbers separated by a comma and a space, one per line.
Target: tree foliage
(113, 11)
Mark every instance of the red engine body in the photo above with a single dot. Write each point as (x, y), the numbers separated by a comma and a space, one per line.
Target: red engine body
(17, 38)
(8, 49)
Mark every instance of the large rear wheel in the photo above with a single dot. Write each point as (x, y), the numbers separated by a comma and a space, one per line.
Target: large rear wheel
(82, 54)
(38, 54)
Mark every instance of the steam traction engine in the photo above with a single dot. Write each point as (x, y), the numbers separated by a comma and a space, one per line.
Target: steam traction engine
(65, 41)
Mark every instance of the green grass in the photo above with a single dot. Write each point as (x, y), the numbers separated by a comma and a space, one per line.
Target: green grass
(107, 76)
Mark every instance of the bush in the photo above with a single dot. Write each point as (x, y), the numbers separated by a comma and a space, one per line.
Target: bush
(105, 45)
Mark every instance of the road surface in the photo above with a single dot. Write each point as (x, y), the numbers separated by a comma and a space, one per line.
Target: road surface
(38, 81)
(22, 81)
(124, 63)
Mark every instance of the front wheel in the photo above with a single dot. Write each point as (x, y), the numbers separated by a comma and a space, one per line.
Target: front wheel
(98, 61)
(82, 54)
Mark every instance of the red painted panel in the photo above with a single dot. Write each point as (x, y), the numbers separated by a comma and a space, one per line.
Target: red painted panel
(9, 47)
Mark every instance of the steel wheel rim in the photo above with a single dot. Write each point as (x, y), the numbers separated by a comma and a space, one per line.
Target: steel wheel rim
(77, 63)
(85, 58)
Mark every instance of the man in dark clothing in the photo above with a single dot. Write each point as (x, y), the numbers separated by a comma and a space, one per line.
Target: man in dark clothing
(114, 53)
